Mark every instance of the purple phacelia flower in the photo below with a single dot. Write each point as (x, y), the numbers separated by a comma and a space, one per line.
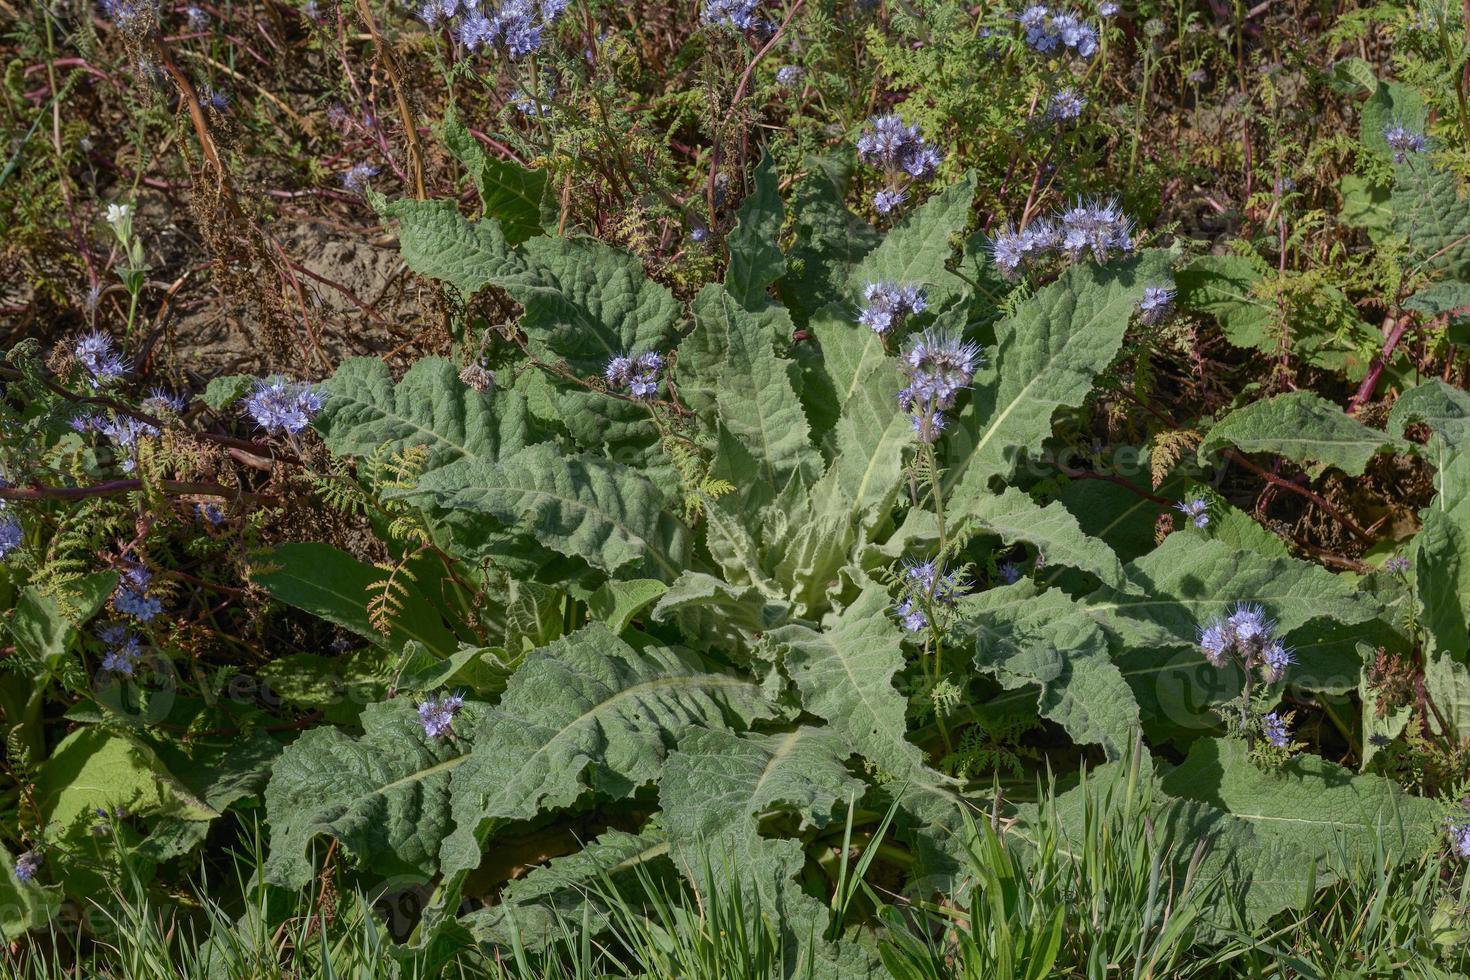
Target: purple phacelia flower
(1156, 305)
(94, 351)
(1403, 141)
(789, 76)
(278, 405)
(1398, 564)
(1277, 730)
(131, 597)
(1009, 572)
(437, 715)
(1065, 106)
(1275, 658)
(160, 400)
(886, 202)
(939, 366)
(355, 179)
(637, 374)
(926, 586)
(734, 14)
(12, 535)
(887, 304)
(26, 866)
(1197, 509)
(897, 149)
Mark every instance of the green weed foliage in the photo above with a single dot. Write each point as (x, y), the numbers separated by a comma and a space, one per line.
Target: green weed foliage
(735, 490)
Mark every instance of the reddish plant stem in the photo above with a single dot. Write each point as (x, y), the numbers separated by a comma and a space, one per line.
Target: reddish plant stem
(1396, 329)
(1311, 495)
(112, 488)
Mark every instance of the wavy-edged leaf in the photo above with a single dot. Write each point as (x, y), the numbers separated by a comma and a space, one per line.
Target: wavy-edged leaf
(429, 407)
(585, 301)
(1047, 640)
(829, 239)
(384, 796)
(508, 191)
(1052, 529)
(845, 674)
(862, 480)
(757, 402)
(588, 712)
(716, 789)
(436, 241)
(1431, 212)
(1223, 286)
(1187, 580)
(1047, 355)
(1303, 427)
(918, 249)
(756, 260)
(330, 583)
(534, 909)
(1274, 825)
(582, 506)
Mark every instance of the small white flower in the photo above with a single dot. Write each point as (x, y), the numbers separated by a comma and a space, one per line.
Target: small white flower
(118, 213)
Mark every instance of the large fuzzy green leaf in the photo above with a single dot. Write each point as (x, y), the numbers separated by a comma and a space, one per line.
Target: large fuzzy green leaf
(533, 909)
(918, 249)
(582, 506)
(429, 407)
(757, 402)
(829, 239)
(23, 906)
(1052, 529)
(330, 583)
(1303, 427)
(508, 191)
(585, 301)
(716, 789)
(863, 478)
(755, 258)
(1048, 640)
(1188, 579)
(384, 796)
(1223, 286)
(1047, 355)
(1270, 828)
(587, 713)
(436, 241)
(845, 674)
(1431, 212)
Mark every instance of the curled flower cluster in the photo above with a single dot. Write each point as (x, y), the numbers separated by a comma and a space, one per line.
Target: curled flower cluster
(528, 105)
(737, 15)
(1098, 228)
(1248, 635)
(901, 153)
(926, 585)
(939, 366)
(26, 866)
(1458, 825)
(160, 400)
(94, 351)
(123, 649)
(885, 304)
(132, 598)
(1049, 32)
(789, 76)
(211, 513)
(1157, 304)
(1276, 729)
(516, 27)
(635, 374)
(1398, 564)
(1403, 141)
(135, 17)
(437, 714)
(355, 178)
(11, 534)
(1009, 572)
(1197, 509)
(1065, 105)
(278, 405)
